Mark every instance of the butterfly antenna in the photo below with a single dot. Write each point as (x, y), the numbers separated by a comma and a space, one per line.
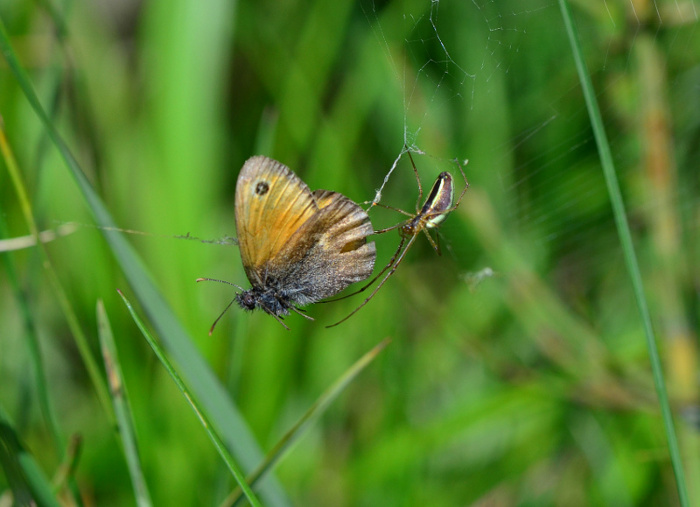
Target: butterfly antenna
(219, 281)
(376, 289)
(211, 329)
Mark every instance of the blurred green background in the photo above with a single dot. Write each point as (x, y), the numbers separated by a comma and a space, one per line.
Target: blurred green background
(531, 386)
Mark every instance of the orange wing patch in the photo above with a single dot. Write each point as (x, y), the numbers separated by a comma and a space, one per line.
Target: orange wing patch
(272, 203)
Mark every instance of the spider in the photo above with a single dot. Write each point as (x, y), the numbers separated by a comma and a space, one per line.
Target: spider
(439, 203)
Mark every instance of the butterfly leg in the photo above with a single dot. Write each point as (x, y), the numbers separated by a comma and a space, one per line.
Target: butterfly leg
(267, 310)
(300, 311)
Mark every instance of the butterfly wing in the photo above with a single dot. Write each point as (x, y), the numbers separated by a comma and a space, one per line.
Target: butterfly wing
(328, 252)
(304, 246)
(272, 203)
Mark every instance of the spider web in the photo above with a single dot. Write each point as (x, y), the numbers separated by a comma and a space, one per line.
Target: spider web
(435, 70)
(495, 82)
(511, 63)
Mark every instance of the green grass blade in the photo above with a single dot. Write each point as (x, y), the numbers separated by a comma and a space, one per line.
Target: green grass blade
(32, 341)
(29, 485)
(627, 247)
(78, 334)
(122, 409)
(64, 477)
(198, 409)
(296, 432)
(209, 390)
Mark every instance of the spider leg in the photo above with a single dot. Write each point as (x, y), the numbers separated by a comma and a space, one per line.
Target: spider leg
(382, 231)
(436, 246)
(466, 185)
(386, 206)
(420, 187)
(368, 284)
(376, 289)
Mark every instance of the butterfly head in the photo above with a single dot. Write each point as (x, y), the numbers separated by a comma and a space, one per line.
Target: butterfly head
(246, 299)
(266, 299)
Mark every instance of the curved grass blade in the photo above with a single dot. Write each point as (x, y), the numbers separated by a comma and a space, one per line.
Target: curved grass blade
(297, 431)
(122, 409)
(630, 256)
(211, 393)
(196, 406)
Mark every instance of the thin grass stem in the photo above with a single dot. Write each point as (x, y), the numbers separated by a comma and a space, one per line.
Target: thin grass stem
(628, 250)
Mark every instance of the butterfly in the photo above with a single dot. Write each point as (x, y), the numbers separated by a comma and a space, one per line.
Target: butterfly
(297, 246)
(438, 205)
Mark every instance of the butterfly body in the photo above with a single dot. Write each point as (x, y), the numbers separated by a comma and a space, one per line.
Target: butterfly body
(274, 301)
(297, 246)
